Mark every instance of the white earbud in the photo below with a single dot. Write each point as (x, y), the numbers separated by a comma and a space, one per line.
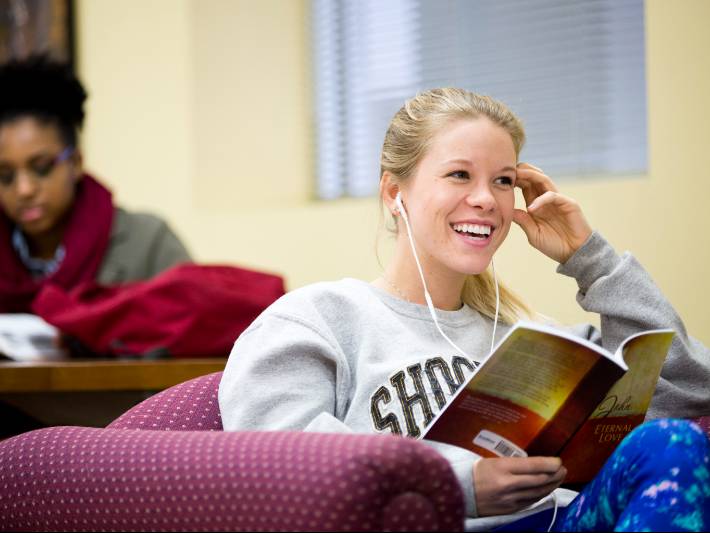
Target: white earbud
(399, 204)
(427, 296)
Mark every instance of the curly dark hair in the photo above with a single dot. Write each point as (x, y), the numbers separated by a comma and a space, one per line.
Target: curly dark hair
(45, 89)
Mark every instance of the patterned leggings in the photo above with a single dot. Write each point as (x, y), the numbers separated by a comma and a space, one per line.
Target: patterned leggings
(658, 479)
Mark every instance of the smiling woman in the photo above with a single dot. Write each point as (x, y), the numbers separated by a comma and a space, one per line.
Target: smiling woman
(386, 356)
(57, 223)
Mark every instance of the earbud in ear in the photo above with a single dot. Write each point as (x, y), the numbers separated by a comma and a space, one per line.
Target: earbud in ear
(396, 209)
(398, 202)
(400, 205)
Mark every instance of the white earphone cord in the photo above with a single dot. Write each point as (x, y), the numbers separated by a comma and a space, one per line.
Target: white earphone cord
(430, 305)
(554, 512)
(427, 296)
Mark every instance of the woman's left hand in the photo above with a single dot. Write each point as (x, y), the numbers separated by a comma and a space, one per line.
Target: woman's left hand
(553, 223)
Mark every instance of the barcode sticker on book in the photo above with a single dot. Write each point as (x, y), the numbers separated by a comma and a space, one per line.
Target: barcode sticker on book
(498, 445)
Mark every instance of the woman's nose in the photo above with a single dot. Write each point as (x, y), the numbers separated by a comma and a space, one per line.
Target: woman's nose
(25, 184)
(482, 198)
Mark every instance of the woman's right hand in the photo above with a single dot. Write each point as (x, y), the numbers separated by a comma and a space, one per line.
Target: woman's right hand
(504, 485)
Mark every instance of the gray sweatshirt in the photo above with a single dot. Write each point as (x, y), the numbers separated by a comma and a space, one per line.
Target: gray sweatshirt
(346, 356)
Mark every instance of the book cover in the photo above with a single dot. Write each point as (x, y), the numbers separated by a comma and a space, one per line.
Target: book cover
(534, 393)
(622, 409)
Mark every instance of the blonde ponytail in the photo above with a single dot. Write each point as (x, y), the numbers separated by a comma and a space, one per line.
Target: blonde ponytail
(479, 293)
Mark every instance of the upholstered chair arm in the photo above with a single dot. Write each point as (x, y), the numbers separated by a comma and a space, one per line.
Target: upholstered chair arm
(90, 479)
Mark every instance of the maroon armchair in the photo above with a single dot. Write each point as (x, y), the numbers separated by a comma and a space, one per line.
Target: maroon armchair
(165, 465)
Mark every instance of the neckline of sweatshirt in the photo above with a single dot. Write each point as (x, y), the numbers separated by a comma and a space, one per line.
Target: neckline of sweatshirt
(458, 318)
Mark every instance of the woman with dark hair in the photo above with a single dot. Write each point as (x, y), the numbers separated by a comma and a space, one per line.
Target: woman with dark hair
(57, 223)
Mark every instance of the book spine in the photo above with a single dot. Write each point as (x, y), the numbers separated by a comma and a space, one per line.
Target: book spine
(576, 409)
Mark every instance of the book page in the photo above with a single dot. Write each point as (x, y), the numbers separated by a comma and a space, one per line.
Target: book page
(535, 371)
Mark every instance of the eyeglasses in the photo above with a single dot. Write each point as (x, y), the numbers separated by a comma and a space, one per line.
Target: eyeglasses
(38, 168)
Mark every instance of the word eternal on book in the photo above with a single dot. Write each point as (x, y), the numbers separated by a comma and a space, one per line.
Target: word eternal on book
(612, 432)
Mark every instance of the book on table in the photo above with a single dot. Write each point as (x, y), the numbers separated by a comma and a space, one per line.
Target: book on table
(25, 337)
(546, 392)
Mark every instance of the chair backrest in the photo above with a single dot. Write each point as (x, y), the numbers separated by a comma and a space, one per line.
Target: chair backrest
(188, 406)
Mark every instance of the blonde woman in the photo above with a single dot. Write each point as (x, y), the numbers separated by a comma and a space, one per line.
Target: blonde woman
(386, 356)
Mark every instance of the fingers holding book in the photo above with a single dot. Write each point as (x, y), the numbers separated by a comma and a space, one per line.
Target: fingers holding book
(505, 485)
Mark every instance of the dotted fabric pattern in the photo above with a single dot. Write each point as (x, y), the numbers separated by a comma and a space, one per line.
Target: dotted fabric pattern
(189, 406)
(92, 479)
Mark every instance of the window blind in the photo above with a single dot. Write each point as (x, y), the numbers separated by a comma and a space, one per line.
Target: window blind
(572, 70)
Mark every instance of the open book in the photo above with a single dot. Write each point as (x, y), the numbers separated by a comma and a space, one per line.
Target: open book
(25, 337)
(546, 392)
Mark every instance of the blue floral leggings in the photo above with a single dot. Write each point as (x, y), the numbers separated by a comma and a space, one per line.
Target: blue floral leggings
(658, 479)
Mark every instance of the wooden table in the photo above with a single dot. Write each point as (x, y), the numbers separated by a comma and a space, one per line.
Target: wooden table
(85, 392)
(102, 375)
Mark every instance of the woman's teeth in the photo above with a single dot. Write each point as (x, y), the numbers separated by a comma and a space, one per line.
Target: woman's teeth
(473, 230)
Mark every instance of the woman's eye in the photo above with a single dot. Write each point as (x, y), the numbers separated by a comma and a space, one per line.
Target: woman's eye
(504, 180)
(7, 176)
(459, 174)
(43, 168)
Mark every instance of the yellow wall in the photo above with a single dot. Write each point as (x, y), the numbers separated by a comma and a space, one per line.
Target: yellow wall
(200, 110)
